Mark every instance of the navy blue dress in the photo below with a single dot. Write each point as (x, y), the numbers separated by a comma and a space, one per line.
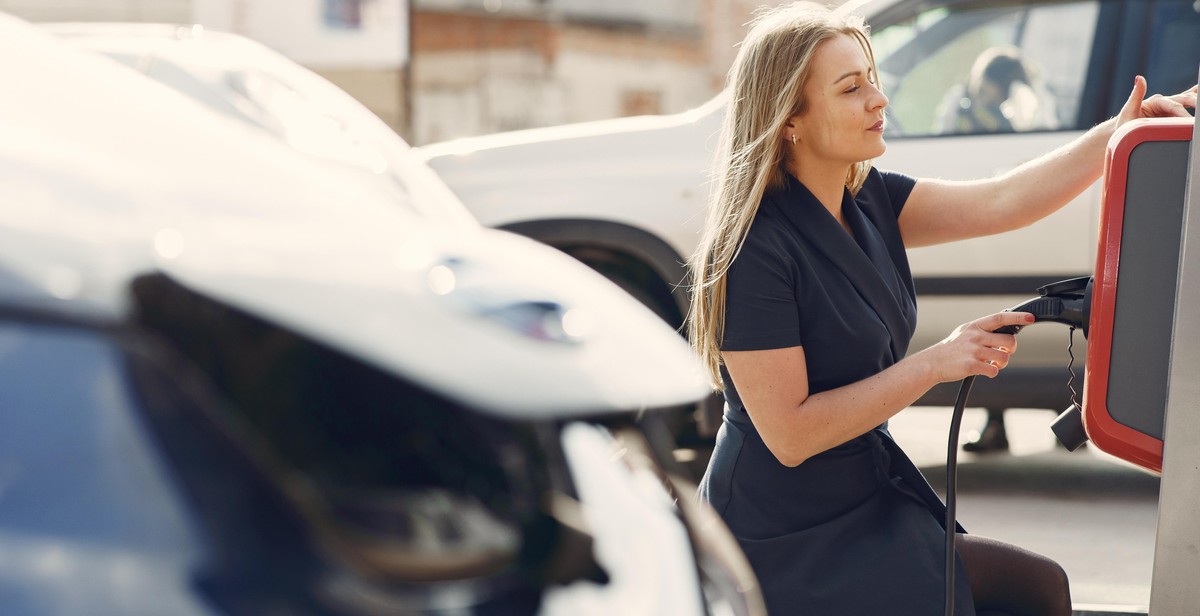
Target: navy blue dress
(856, 529)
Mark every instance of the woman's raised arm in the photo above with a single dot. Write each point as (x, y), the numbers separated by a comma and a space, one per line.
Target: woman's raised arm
(940, 211)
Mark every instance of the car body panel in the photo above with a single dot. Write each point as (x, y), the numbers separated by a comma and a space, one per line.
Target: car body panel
(644, 172)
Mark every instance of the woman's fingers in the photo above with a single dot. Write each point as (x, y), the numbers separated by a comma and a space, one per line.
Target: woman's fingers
(1133, 105)
(974, 349)
(992, 359)
(995, 358)
(1157, 106)
(992, 322)
(994, 350)
(1187, 98)
(1168, 106)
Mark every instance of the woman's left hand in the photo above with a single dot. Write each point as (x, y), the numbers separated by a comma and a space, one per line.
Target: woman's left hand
(1157, 106)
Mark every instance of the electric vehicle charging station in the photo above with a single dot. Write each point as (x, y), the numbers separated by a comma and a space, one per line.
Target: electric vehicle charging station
(1141, 314)
(1142, 396)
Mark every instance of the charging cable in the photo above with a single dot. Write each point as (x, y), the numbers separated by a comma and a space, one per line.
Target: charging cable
(964, 390)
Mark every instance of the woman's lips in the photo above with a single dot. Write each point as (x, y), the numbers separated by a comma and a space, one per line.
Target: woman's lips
(877, 127)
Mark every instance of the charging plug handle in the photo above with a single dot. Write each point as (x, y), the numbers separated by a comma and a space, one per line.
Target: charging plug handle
(1068, 302)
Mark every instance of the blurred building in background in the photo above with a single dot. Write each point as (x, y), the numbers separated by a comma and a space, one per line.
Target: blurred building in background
(361, 45)
(496, 65)
(100, 10)
(441, 69)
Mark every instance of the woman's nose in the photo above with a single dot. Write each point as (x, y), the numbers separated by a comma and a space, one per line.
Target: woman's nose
(879, 100)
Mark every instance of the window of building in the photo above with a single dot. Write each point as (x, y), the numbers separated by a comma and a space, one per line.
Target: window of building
(344, 14)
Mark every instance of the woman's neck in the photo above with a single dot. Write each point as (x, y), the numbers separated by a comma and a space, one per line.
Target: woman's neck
(826, 182)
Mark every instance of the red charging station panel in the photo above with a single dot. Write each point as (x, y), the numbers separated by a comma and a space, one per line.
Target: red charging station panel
(1133, 299)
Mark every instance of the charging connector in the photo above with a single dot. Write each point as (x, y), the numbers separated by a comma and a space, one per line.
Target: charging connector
(1068, 302)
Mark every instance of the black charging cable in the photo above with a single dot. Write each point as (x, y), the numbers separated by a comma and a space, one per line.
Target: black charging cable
(1042, 308)
(964, 390)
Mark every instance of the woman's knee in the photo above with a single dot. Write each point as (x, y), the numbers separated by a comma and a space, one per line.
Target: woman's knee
(1014, 579)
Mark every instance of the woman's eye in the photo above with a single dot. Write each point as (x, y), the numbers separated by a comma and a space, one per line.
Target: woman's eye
(854, 88)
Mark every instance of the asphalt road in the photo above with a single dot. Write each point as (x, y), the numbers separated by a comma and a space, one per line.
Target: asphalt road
(1093, 514)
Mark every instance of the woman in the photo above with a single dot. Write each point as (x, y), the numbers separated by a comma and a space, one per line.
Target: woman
(803, 310)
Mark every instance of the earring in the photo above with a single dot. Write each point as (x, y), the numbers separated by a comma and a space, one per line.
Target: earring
(793, 138)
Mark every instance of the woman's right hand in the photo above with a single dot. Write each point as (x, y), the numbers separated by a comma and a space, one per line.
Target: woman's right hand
(974, 348)
(1156, 106)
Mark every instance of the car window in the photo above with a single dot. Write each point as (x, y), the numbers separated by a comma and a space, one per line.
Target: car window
(1174, 46)
(972, 70)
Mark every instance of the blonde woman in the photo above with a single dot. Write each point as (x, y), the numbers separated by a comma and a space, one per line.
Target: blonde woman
(803, 309)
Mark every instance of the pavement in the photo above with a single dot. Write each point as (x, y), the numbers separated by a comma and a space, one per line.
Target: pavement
(1035, 463)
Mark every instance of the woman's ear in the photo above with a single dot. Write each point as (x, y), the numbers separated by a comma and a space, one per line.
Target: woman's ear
(791, 129)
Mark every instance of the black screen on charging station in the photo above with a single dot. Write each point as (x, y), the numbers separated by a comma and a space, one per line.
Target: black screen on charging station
(1146, 280)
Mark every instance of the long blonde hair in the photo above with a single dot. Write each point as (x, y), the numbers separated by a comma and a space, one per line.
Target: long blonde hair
(766, 84)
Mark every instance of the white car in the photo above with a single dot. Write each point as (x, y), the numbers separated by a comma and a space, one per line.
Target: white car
(628, 196)
(240, 379)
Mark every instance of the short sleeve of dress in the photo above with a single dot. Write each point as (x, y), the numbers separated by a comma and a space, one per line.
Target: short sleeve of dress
(761, 311)
(898, 187)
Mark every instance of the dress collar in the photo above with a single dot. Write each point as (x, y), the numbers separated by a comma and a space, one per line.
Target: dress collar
(863, 258)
